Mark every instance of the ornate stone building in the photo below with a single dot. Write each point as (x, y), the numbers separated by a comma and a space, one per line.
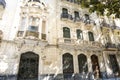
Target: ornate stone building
(57, 40)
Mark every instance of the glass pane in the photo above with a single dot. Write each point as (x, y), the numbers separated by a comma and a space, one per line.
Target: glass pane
(82, 61)
(23, 24)
(91, 37)
(66, 32)
(64, 11)
(68, 63)
(33, 28)
(28, 68)
(86, 16)
(76, 14)
(114, 64)
(79, 34)
(68, 68)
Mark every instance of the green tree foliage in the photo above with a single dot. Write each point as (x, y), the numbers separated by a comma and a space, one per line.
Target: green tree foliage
(113, 6)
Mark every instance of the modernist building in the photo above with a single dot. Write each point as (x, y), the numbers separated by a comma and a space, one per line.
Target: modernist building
(57, 40)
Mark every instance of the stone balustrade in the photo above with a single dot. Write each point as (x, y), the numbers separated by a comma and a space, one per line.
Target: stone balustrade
(78, 42)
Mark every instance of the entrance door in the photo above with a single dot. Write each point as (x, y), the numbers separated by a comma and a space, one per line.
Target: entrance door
(114, 64)
(68, 68)
(28, 68)
(95, 66)
(82, 62)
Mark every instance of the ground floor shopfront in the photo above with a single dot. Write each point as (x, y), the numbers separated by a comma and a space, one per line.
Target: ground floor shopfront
(50, 62)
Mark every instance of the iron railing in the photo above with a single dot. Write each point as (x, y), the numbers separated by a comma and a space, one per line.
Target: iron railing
(67, 16)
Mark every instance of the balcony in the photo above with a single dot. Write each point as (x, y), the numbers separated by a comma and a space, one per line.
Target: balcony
(77, 43)
(32, 34)
(66, 16)
(110, 46)
(77, 19)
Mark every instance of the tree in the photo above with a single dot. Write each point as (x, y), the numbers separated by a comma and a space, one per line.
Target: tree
(113, 6)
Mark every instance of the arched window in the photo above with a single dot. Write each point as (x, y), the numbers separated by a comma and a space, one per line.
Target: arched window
(28, 67)
(66, 32)
(95, 66)
(91, 36)
(114, 64)
(79, 34)
(76, 14)
(64, 11)
(82, 62)
(68, 68)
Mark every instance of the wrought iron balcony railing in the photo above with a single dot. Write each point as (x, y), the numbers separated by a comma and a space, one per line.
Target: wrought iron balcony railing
(77, 19)
(110, 46)
(66, 16)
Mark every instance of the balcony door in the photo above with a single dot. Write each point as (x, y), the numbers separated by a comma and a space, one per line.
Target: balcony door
(28, 67)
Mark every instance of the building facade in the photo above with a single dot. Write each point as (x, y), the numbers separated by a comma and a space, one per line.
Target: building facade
(57, 40)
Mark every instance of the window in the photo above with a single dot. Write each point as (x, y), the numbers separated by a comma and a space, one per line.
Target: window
(82, 62)
(79, 34)
(64, 11)
(114, 64)
(23, 24)
(95, 66)
(87, 17)
(68, 68)
(43, 27)
(66, 32)
(91, 36)
(43, 36)
(34, 21)
(33, 24)
(76, 14)
(28, 68)
(33, 28)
